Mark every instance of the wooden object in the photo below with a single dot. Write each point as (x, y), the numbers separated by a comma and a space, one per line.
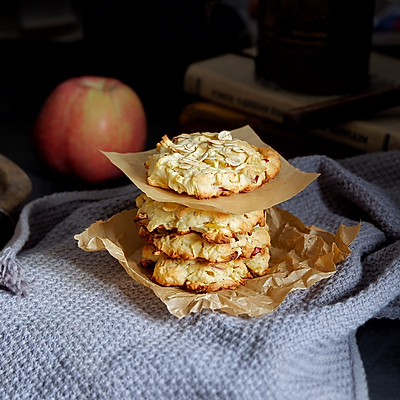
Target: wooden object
(15, 188)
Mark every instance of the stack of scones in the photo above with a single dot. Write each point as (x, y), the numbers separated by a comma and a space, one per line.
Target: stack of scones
(204, 250)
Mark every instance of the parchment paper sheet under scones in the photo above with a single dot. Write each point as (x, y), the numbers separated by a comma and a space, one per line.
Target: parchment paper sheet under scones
(290, 265)
(287, 183)
(291, 268)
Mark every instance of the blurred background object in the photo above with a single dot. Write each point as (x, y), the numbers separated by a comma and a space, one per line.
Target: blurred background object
(315, 46)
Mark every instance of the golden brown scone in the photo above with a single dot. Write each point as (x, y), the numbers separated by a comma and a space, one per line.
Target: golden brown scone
(201, 275)
(208, 165)
(192, 245)
(216, 227)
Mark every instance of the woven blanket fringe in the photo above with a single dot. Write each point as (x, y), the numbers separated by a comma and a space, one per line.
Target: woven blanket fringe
(12, 274)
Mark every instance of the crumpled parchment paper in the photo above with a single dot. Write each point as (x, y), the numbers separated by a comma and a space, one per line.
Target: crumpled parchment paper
(300, 255)
(285, 185)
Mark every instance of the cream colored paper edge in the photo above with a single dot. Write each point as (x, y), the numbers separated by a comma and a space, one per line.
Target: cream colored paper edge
(289, 182)
(292, 266)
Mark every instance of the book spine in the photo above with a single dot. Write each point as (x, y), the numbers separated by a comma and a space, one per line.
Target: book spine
(361, 136)
(217, 89)
(205, 84)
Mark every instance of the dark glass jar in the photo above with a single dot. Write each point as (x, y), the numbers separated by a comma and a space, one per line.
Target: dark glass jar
(315, 46)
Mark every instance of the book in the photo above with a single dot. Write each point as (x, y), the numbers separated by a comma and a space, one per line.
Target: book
(230, 80)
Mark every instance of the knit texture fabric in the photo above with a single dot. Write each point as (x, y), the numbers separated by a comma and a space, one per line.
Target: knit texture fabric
(74, 325)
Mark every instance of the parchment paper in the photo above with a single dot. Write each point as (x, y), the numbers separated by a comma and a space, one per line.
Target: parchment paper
(285, 185)
(300, 256)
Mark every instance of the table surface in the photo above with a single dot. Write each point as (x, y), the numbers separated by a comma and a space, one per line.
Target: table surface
(21, 97)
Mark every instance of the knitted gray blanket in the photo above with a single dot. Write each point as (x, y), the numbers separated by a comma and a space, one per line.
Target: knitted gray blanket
(74, 325)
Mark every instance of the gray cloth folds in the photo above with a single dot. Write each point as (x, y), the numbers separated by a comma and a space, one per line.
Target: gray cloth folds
(85, 329)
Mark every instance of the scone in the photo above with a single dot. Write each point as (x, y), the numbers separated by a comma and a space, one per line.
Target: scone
(192, 245)
(201, 275)
(215, 227)
(207, 165)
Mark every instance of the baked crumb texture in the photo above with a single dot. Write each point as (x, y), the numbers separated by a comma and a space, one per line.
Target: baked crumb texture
(207, 165)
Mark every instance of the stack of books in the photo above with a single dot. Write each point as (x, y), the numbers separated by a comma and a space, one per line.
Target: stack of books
(227, 85)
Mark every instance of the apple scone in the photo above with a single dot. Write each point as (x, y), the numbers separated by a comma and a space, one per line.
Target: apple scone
(190, 246)
(201, 275)
(216, 227)
(207, 165)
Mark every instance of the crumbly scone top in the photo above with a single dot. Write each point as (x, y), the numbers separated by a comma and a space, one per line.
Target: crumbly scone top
(210, 164)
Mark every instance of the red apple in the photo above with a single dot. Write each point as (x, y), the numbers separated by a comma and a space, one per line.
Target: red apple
(84, 115)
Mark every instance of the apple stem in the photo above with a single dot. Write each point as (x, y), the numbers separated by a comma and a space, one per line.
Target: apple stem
(97, 83)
